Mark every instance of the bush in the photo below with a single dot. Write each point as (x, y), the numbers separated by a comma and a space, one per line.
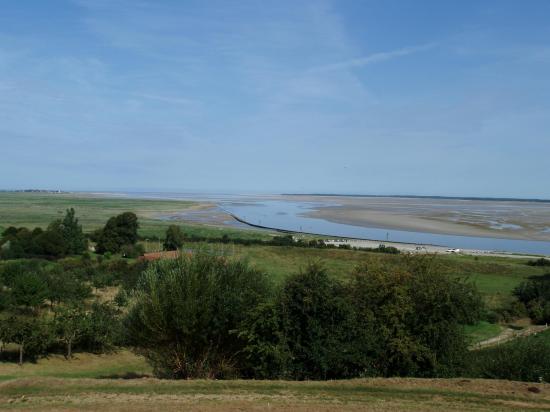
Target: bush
(174, 238)
(383, 323)
(118, 231)
(524, 359)
(132, 251)
(314, 312)
(412, 317)
(535, 295)
(185, 313)
(62, 237)
(542, 262)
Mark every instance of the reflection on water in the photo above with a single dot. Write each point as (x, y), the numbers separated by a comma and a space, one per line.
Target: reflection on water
(289, 215)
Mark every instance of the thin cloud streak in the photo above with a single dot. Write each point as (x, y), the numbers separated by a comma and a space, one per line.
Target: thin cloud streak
(373, 58)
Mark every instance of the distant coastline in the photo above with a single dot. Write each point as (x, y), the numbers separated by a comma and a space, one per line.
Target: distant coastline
(485, 199)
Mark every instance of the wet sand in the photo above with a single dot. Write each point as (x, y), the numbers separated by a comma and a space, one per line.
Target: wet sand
(496, 219)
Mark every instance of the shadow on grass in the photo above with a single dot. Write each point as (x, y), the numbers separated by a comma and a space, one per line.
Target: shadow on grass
(125, 375)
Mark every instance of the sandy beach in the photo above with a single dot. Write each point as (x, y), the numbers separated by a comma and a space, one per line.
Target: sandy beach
(496, 219)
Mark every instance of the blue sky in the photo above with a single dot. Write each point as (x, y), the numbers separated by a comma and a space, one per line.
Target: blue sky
(377, 97)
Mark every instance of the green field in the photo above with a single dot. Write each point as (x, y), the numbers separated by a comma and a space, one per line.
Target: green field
(39, 209)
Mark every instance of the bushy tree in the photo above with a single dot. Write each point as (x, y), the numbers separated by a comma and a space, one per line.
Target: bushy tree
(104, 330)
(186, 311)
(404, 321)
(29, 290)
(62, 237)
(174, 238)
(66, 286)
(75, 241)
(534, 293)
(70, 325)
(315, 321)
(31, 334)
(416, 315)
(118, 231)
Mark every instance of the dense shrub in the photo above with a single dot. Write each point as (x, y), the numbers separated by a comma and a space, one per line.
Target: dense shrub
(524, 359)
(315, 321)
(415, 315)
(119, 231)
(132, 251)
(62, 237)
(174, 238)
(542, 262)
(535, 295)
(185, 312)
(384, 322)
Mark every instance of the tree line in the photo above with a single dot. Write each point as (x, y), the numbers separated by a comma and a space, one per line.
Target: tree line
(206, 316)
(54, 307)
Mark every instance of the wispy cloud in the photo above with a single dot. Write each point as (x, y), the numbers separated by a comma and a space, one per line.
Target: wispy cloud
(166, 99)
(373, 58)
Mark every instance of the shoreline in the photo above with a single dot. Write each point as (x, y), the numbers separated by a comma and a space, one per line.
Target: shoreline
(435, 225)
(416, 248)
(513, 220)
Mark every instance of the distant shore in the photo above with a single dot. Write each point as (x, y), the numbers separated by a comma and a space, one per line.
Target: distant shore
(502, 219)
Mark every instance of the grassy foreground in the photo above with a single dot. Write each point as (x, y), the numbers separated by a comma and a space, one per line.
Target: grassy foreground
(359, 394)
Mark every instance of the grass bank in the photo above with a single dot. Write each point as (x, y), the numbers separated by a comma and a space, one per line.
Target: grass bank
(359, 394)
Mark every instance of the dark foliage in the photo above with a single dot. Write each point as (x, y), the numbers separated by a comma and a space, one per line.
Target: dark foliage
(174, 238)
(524, 359)
(185, 313)
(384, 323)
(61, 238)
(535, 295)
(119, 231)
(542, 262)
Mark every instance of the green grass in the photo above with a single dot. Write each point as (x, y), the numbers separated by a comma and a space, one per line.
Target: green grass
(39, 209)
(482, 331)
(82, 365)
(359, 394)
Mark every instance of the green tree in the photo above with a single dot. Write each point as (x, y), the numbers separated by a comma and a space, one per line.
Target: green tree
(75, 241)
(70, 324)
(315, 319)
(30, 334)
(118, 231)
(534, 293)
(174, 238)
(51, 242)
(104, 330)
(29, 290)
(186, 311)
(65, 286)
(416, 315)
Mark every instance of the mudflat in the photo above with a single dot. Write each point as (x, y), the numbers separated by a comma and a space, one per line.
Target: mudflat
(527, 220)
